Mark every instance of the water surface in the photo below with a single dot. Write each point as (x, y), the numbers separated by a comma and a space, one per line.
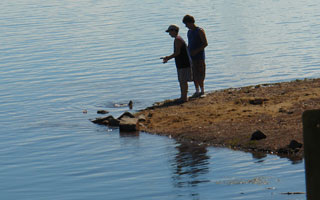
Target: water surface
(59, 58)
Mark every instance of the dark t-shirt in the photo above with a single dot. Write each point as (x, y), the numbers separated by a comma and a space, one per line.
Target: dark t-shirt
(182, 60)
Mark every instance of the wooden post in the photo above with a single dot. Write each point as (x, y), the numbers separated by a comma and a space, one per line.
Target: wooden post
(311, 140)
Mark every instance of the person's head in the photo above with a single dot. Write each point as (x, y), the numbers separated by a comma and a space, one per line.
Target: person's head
(173, 30)
(189, 21)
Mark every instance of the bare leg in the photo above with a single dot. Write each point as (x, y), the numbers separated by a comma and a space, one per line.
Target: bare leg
(201, 84)
(196, 85)
(184, 91)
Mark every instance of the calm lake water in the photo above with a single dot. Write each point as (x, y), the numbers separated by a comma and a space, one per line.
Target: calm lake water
(59, 58)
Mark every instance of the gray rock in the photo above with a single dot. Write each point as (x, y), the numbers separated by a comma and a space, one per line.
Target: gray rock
(126, 114)
(100, 120)
(113, 122)
(110, 121)
(258, 135)
(128, 124)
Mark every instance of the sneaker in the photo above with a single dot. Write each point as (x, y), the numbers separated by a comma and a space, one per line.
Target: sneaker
(196, 94)
(202, 95)
(180, 101)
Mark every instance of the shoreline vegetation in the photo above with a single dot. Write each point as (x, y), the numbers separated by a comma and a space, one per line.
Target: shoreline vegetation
(261, 119)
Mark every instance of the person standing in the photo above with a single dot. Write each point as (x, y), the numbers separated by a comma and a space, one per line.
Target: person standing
(182, 61)
(197, 42)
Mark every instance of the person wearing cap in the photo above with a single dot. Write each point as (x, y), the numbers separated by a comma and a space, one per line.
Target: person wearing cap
(182, 61)
(197, 42)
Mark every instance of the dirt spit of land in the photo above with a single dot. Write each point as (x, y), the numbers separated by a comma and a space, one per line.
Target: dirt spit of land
(229, 117)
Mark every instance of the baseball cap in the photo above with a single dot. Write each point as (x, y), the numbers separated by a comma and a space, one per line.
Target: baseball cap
(172, 27)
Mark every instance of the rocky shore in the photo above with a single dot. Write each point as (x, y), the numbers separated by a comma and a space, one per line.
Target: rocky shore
(265, 118)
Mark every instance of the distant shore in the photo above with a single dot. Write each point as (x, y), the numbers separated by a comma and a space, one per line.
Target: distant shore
(229, 117)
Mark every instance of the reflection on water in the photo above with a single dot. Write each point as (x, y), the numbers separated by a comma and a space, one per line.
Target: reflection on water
(294, 159)
(259, 155)
(191, 162)
(129, 134)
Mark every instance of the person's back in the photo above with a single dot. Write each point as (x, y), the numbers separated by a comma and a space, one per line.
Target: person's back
(195, 42)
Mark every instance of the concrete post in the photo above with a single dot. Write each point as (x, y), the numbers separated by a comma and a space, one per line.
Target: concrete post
(311, 140)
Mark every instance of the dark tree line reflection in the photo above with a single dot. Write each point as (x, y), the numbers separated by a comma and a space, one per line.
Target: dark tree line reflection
(190, 164)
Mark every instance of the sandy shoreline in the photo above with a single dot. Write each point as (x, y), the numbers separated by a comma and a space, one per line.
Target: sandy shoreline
(229, 117)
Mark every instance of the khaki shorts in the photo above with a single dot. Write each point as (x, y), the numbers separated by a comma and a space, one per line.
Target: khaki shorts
(184, 74)
(199, 70)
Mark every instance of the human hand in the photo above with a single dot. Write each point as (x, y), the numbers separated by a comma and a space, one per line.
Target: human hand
(165, 59)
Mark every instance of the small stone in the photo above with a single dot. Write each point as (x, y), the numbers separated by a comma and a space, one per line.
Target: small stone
(258, 135)
(295, 145)
(257, 101)
(102, 112)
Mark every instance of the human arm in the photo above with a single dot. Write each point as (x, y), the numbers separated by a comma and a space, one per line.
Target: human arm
(177, 49)
(204, 43)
